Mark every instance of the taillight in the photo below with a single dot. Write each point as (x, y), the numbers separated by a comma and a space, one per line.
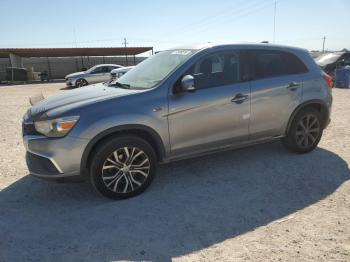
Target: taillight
(328, 79)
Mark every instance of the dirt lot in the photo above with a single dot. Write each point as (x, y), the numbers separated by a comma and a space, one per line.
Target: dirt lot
(254, 204)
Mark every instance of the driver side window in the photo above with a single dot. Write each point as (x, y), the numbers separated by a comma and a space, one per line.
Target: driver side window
(216, 70)
(98, 70)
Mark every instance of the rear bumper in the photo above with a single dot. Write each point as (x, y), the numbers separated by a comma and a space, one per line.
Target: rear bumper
(54, 158)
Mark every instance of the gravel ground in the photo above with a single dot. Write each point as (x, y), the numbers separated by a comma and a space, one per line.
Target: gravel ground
(255, 204)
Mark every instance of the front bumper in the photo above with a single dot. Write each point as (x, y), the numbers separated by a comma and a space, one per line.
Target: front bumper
(54, 158)
(70, 82)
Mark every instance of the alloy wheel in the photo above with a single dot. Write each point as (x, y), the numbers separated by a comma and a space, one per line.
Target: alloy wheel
(81, 83)
(125, 170)
(308, 131)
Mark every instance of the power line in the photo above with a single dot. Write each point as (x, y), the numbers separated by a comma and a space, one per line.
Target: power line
(274, 22)
(241, 15)
(212, 16)
(223, 15)
(241, 12)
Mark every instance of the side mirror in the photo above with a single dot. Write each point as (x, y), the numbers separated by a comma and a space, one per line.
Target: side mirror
(187, 83)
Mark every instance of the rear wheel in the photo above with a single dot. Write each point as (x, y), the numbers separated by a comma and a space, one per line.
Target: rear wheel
(81, 82)
(305, 132)
(123, 167)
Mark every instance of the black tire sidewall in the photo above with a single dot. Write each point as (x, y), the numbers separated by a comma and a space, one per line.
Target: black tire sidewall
(290, 140)
(85, 83)
(105, 149)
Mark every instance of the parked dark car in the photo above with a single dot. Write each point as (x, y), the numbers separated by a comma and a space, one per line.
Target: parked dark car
(330, 61)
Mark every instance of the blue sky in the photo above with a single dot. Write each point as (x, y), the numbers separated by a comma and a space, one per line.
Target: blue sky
(165, 24)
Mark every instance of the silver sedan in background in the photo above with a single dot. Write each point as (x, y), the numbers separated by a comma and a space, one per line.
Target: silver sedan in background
(116, 73)
(96, 74)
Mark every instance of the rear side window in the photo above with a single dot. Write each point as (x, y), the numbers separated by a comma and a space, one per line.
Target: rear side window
(270, 63)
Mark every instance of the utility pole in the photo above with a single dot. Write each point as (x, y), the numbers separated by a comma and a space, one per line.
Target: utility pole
(126, 55)
(274, 23)
(324, 41)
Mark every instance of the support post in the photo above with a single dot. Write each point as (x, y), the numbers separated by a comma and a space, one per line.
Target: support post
(49, 69)
(16, 61)
(76, 64)
(82, 62)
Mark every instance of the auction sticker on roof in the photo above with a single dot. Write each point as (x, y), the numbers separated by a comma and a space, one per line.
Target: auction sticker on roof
(181, 52)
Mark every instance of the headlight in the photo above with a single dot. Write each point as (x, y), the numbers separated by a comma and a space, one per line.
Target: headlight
(56, 127)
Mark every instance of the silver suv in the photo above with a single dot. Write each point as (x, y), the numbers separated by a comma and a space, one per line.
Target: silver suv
(96, 74)
(177, 104)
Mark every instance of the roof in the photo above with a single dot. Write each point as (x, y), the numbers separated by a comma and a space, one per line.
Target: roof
(241, 45)
(120, 66)
(68, 52)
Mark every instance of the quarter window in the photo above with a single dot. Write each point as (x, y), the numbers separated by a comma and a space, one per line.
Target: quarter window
(269, 63)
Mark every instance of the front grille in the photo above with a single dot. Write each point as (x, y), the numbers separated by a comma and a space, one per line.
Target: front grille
(40, 165)
(28, 128)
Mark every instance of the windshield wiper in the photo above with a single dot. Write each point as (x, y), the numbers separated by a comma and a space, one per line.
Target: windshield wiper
(125, 86)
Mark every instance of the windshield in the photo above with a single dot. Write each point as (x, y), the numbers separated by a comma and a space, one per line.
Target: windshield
(153, 70)
(92, 69)
(326, 59)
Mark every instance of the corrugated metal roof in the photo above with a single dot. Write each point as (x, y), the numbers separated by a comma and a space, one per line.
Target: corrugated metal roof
(67, 52)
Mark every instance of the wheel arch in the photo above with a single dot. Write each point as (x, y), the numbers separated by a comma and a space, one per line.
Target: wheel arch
(81, 78)
(317, 104)
(145, 132)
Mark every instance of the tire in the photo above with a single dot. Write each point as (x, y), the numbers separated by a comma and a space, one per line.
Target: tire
(305, 131)
(81, 82)
(123, 167)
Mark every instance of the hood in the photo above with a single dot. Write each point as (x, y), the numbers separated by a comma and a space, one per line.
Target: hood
(76, 74)
(78, 97)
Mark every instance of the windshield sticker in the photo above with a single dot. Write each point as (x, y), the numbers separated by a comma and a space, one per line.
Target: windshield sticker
(181, 52)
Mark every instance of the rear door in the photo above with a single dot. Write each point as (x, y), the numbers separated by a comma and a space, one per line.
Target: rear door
(107, 74)
(276, 90)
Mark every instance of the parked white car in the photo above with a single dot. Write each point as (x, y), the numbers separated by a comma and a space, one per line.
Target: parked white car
(96, 74)
(116, 73)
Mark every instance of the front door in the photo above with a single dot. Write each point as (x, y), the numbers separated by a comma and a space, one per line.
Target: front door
(217, 113)
(99, 74)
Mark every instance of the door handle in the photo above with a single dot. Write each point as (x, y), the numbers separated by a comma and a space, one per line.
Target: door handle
(239, 98)
(293, 85)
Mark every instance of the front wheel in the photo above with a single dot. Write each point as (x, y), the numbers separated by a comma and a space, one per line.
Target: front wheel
(81, 82)
(305, 132)
(123, 167)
